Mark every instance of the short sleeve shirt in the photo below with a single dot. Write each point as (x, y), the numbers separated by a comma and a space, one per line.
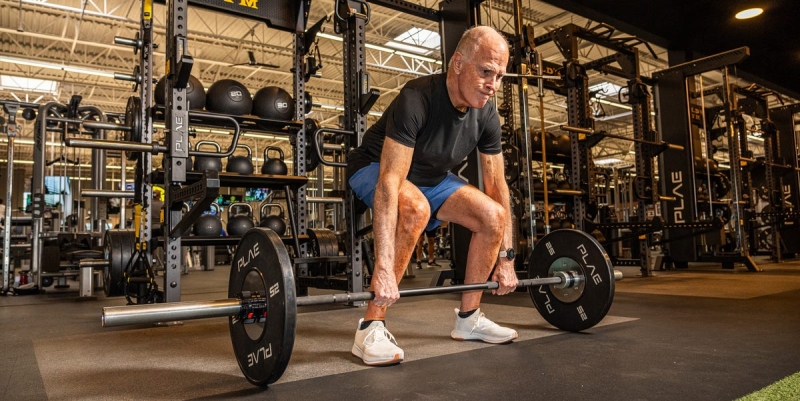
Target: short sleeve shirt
(423, 117)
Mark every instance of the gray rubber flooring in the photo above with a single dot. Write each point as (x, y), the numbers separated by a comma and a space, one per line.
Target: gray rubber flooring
(704, 334)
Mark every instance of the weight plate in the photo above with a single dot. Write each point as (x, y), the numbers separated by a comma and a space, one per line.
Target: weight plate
(133, 119)
(261, 264)
(118, 248)
(511, 162)
(573, 309)
(323, 244)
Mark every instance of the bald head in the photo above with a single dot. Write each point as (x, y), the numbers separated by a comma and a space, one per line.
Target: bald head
(479, 36)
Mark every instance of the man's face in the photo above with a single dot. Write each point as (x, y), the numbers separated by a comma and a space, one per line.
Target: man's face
(479, 76)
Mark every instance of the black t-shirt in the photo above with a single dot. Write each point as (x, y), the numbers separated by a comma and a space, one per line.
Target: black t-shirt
(422, 117)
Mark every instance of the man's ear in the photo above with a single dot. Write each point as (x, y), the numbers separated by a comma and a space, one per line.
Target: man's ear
(457, 57)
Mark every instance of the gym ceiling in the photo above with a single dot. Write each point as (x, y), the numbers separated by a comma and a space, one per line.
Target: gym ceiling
(72, 44)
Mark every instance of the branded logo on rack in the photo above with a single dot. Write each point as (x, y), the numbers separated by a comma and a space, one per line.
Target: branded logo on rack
(677, 213)
(245, 3)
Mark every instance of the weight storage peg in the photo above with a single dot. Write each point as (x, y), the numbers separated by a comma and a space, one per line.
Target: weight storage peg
(239, 223)
(274, 222)
(571, 283)
(203, 163)
(208, 225)
(241, 164)
(274, 166)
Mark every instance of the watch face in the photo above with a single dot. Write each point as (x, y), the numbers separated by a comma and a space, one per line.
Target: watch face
(510, 254)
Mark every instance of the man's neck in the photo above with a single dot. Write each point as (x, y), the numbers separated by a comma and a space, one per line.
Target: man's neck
(452, 93)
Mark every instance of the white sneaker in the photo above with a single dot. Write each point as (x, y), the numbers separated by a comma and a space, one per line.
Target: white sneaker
(376, 346)
(478, 327)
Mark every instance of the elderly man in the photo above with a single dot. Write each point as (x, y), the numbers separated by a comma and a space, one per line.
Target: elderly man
(402, 171)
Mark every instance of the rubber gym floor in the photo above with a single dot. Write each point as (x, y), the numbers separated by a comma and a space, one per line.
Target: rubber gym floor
(701, 334)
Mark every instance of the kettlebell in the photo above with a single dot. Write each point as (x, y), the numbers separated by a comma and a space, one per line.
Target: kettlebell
(274, 166)
(208, 224)
(241, 164)
(550, 180)
(274, 222)
(564, 144)
(239, 223)
(203, 163)
(538, 184)
(563, 181)
(551, 143)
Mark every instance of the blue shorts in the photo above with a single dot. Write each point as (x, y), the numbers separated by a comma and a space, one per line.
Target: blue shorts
(364, 181)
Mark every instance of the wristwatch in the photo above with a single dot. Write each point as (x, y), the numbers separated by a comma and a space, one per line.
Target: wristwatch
(508, 254)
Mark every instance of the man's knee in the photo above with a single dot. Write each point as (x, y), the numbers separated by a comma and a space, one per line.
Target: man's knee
(413, 212)
(495, 219)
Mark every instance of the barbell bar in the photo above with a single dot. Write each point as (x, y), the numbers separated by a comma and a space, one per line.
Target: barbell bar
(571, 284)
(589, 131)
(154, 313)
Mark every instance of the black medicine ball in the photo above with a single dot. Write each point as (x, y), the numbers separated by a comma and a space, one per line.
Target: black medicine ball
(229, 97)
(273, 103)
(194, 91)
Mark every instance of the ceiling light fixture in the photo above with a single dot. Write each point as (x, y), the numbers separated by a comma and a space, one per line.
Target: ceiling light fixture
(53, 66)
(749, 13)
(383, 49)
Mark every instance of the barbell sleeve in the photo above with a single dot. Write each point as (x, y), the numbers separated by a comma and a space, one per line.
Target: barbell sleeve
(105, 126)
(106, 193)
(127, 77)
(169, 312)
(127, 41)
(587, 131)
(532, 76)
(114, 145)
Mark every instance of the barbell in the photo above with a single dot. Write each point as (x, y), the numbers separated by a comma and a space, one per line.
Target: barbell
(571, 284)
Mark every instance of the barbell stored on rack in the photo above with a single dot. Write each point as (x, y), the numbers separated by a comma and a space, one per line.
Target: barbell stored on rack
(571, 283)
(603, 134)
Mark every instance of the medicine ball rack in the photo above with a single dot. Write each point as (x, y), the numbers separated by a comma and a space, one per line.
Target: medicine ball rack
(183, 185)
